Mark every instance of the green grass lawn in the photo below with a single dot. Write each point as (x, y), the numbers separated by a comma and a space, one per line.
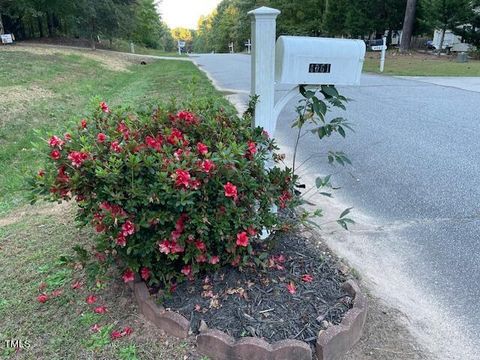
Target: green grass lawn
(420, 65)
(48, 92)
(31, 243)
(45, 92)
(124, 46)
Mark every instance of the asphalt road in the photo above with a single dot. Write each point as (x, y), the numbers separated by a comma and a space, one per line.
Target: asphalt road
(415, 187)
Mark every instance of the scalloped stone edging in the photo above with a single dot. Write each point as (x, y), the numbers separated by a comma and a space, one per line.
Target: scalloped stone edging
(332, 343)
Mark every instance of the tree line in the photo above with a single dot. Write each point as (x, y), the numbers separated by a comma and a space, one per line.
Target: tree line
(229, 22)
(132, 20)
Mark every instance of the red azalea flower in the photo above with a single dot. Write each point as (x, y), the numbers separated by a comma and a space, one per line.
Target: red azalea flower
(128, 275)
(127, 330)
(56, 142)
(115, 335)
(77, 158)
(67, 137)
(76, 285)
(154, 143)
(242, 239)
(62, 176)
(202, 148)
(214, 260)
(42, 298)
(145, 273)
(187, 270)
(165, 247)
(307, 278)
(100, 310)
(265, 134)
(230, 190)
(105, 206)
(41, 173)
(117, 211)
(195, 184)
(177, 248)
(198, 307)
(95, 328)
(252, 147)
(182, 178)
(101, 137)
(201, 258)
(187, 117)
(91, 299)
(115, 147)
(200, 245)
(97, 217)
(291, 288)
(121, 240)
(104, 107)
(284, 198)
(83, 123)
(128, 228)
(175, 235)
(122, 128)
(175, 137)
(178, 153)
(207, 165)
(55, 154)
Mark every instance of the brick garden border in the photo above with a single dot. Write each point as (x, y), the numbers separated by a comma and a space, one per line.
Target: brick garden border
(332, 343)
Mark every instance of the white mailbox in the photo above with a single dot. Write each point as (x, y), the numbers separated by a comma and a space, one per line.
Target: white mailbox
(318, 61)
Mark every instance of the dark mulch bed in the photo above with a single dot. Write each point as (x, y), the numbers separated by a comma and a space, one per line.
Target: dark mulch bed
(256, 301)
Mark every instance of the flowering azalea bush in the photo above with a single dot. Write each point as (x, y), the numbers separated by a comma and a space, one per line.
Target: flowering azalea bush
(170, 193)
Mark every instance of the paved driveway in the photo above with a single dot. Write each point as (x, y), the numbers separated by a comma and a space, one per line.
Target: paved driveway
(464, 83)
(415, 187)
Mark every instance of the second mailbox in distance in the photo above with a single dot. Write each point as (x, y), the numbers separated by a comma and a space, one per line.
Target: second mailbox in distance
(318, 61)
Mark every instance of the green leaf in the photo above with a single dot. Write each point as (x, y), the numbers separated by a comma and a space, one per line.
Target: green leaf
(345, 212)
(329, 90)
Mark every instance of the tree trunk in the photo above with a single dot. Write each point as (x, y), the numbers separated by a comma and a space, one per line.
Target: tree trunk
(442, 39)
(1, 25)
(92, 35)
(40, 26)
(408, 23)
(49, 24)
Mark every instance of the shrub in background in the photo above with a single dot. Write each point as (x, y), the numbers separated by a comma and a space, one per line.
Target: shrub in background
(171, 193)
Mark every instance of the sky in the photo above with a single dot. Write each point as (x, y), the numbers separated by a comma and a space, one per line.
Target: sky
(185, 13)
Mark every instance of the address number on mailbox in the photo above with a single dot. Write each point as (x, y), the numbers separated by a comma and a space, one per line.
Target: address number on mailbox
(319, 68)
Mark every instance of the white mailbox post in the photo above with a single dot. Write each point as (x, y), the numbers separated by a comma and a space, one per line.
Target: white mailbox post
(296, 61)
(263, 65)
(299, 61)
